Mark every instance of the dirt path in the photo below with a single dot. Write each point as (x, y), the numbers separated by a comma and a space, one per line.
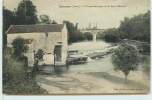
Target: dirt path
(94, 83)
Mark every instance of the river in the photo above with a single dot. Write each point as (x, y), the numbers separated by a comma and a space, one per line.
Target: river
(100, 65)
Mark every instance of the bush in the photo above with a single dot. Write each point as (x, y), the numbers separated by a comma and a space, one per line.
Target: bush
(146, 49)
(15, 77)
(146, 64)
(111, 38)
(29, 87)
(20, 47)
(87, 36)
(110, 35)
(13, 69)
(39, 54)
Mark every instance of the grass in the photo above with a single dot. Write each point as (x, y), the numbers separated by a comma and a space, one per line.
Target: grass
(15, 78)
(29, 87)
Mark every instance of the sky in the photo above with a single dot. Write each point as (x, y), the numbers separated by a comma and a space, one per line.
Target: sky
(87, 12)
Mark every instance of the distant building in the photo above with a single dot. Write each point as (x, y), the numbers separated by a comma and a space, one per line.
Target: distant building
(48, 37)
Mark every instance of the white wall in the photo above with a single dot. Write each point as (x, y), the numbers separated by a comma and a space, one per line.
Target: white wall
(65, 42)
(42, 41)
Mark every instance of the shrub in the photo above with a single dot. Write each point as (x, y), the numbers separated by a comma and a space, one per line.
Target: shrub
(111, 38)
(39, 54)
(15, 78)
(146, 64)
(19, 47)
(13, 69)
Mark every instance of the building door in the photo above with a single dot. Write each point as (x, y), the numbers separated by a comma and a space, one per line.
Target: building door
(58, 52)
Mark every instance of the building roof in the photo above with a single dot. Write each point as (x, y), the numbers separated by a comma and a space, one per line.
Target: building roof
(35, 28)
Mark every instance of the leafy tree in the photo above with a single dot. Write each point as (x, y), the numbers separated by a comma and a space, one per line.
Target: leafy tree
(8, 19)
(134, 28)
(19, 47)
(74, 34)
(45, 19)
(137, 27)
(125, 58)
(54, 22)
(88, 36)
(110, 35)
(26, 13)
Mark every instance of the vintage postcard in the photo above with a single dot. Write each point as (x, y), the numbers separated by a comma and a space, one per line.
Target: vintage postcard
(76, 47)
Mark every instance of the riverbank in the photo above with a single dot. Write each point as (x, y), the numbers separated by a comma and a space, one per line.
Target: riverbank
(96, 77)
(95, 83)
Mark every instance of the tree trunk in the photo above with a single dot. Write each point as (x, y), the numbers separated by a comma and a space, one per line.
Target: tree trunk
(126, 79)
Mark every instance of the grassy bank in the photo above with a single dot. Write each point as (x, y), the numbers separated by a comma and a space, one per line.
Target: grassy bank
(16, 80)
(29, 87)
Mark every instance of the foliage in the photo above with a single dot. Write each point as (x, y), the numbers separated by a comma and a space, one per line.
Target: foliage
(111, 35)
(19, 47)
(15, 79)
(145, 61)
(134, 28)
(8, 19)
(26, 13)
(13, 69)
(23, 15)
(45, 19)
(137, 27)
(54, 22)
(39, 54)
(28, 87)
(146, 49)
(87, 36)
(74, 35)
(125, 58)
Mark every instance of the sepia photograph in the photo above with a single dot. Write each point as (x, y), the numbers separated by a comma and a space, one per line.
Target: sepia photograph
(76, 47)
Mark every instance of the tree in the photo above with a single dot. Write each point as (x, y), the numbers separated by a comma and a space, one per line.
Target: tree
(88, 36)
(111, 35)
(134, 28)
(125, 58)
(26, 13)
(19, 47)
(137, 27)
(54, 22)
(74, 34)
(8, 19)
(45, 19)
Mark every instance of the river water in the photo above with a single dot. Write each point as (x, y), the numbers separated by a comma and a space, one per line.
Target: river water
(100, 65)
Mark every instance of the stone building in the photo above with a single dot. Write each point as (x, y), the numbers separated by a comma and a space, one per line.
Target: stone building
(48, 37)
